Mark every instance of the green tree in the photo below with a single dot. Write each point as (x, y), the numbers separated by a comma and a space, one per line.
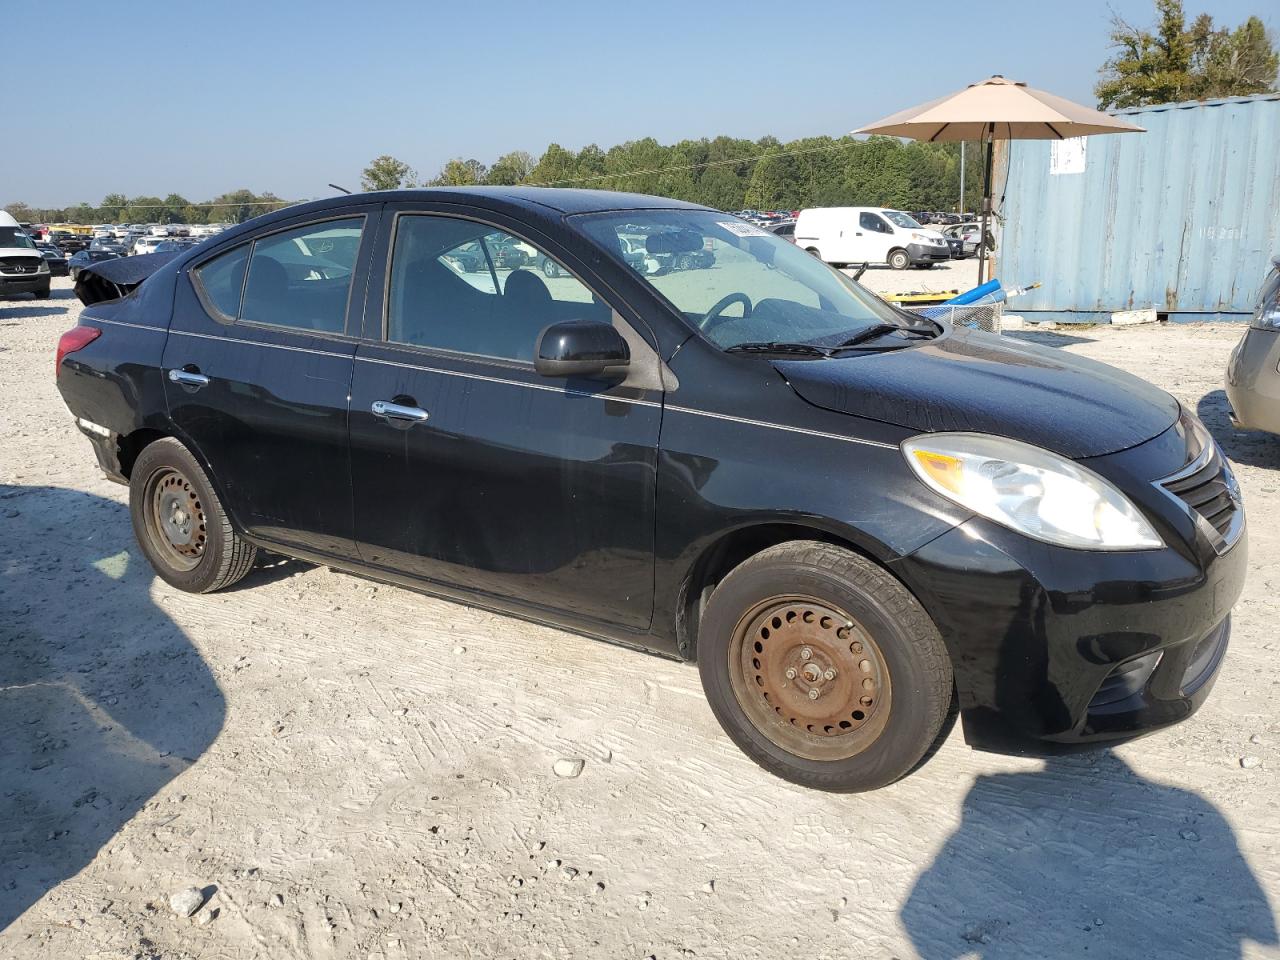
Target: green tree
(1170, 62)
(555, 166)
(510, 168)
(387, 173)
(460, 173)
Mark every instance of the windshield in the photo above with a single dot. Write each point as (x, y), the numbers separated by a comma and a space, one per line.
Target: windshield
(902, 220)
(735, 282)
(15, 237)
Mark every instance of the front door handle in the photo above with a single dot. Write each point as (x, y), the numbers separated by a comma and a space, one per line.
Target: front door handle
(188, 379)
(394, 411)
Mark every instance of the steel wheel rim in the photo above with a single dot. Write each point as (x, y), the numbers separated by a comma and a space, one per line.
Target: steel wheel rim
(175, 519)
(810, 678)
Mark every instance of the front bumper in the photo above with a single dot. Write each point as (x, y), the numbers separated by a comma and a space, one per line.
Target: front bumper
(1057, 649)
(1253, 381)
(919, 253)
(24, 283)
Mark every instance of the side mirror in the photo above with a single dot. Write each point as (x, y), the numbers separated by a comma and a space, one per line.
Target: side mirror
(579, 348)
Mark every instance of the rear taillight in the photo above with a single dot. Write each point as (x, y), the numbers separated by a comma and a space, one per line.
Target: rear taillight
(77, 338)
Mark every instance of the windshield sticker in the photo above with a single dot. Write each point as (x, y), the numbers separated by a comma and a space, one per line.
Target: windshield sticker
(740, 229)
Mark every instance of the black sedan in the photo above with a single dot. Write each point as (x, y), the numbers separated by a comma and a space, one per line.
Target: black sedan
(84, 258)
(54, 257)
(857, 522)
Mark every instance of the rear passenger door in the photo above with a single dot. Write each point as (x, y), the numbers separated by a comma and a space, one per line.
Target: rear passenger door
(258, 367)
(472, 470)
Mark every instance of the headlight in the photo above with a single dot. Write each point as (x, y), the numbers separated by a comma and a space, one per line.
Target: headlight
(44, 266)
(1030, 490)
(1267, 316)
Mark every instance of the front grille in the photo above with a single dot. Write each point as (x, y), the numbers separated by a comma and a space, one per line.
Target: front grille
(1208, 487)
(19, 265)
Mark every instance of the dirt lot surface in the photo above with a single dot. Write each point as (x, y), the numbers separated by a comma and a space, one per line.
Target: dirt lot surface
(343, 769)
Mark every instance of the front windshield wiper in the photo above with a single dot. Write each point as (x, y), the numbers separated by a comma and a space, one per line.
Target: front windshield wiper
(880, 329)
(775, 346)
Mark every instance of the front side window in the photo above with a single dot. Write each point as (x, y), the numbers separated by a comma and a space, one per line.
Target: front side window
(735, 282)
(463, 286)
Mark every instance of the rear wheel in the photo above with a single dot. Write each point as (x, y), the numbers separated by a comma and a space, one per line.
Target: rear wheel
(550, 268)
(180, 524)
(813, 251)
(899, 259)
(823, 668)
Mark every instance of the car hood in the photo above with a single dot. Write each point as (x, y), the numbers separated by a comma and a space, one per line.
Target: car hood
(982, 383)
(19, 252)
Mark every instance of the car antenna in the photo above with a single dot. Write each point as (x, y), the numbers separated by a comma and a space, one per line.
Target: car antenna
(343, 189)
(856, 277)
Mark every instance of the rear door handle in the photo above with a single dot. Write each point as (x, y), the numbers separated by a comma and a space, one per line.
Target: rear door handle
(394, 411)
(188, 379)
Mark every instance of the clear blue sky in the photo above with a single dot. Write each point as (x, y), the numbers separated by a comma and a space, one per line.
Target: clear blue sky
(287, 96)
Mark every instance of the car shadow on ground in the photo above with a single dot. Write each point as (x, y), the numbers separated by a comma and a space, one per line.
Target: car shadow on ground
(1086, 857)
(1047, 338)
(15, 313)
(1252, 447)
(103, 699)
(269, 568)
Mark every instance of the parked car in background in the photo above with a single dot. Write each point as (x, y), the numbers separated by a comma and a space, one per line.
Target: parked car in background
(55, 258)
(967, 234)
(147, 244)
(109, 245)
(786, 230)
(843, 235)
(1253, 380)
(85, 258)
(857, 522)
(67, 241)
(23, 268)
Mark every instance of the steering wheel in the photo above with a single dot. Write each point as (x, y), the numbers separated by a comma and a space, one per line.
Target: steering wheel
(712, 318)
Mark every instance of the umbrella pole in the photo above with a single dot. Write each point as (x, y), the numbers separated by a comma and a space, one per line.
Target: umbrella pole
(986, 206)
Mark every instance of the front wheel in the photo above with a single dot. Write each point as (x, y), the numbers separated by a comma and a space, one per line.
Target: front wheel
(180, 524)
(824, 669)
(550, 268)
(899, 260)
(43, 292)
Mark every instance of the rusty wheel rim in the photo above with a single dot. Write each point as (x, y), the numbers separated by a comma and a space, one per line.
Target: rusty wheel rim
(810, 678)
(176, 519)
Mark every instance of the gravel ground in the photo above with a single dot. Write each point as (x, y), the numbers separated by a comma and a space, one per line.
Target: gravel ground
(319, 766)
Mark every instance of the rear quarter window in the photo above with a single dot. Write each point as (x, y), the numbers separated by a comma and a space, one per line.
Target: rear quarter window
(221, 281)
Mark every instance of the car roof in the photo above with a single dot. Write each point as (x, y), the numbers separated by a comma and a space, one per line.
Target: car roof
(534, 200)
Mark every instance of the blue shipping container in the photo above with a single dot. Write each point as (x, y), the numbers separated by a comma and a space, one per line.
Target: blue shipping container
(1184, 218)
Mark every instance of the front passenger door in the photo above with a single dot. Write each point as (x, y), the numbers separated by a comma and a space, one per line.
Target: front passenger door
(470, 469)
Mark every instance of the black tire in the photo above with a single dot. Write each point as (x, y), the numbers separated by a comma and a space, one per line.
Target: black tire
(813, 251)
(212, 555)
(550, 268)
(913, 687)
(43, 292)
(899, 259)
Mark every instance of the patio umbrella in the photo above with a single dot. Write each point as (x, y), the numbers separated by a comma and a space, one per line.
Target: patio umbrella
(997, 109)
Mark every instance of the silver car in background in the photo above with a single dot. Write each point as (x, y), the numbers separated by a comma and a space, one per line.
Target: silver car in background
(1253, 372)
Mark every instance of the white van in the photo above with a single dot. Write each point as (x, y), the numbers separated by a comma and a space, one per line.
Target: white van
(23, 268)
(869, 235)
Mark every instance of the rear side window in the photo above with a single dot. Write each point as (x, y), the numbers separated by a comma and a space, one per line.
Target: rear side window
(299, 278)
(221, 280)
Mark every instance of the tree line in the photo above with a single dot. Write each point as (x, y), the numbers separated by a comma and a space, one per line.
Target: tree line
(234, 207)
(729, 173)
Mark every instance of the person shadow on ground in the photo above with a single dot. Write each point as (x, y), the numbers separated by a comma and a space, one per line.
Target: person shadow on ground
(1087, 858)
(103, 699)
